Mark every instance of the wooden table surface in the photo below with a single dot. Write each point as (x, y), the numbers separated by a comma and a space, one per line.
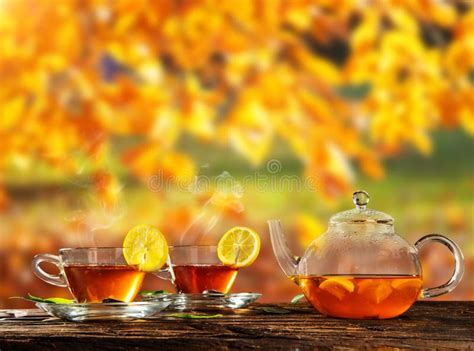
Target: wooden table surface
(427, 325)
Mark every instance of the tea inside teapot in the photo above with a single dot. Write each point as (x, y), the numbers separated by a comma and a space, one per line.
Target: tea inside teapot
(361, 296)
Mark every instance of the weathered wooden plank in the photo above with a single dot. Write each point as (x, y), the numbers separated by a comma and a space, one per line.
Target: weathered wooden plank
(428, 325)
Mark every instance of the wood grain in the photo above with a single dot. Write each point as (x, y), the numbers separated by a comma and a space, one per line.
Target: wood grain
(427, 325)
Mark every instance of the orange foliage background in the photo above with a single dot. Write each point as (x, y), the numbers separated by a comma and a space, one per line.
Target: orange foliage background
(109, 90)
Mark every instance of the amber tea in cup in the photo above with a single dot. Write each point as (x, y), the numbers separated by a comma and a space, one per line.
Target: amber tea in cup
(92, 274)
(97, 283)
(199, 278)
(195, 269)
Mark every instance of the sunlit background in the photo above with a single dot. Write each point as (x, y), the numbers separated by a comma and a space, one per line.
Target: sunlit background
(109, 110)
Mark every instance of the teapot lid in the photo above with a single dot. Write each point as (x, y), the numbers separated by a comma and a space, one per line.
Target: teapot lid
(361, 214)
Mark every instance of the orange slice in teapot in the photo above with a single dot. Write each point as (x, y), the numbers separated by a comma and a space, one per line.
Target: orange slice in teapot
(375, 290)
(337, 286)
(410, 283)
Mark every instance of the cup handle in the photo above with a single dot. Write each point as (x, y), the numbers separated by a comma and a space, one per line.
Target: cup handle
(458, 265)
(166, 273)
(57, 280)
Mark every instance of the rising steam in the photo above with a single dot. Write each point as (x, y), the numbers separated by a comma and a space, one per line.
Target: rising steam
(226, 195)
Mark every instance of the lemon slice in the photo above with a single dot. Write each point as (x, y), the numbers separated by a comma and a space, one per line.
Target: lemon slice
(239, 247)
(337, 286)
(145, 247)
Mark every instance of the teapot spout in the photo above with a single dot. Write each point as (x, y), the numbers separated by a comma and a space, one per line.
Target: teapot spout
(287, 261)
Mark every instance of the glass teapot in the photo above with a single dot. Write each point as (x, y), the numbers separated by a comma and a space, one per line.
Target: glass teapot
(360, 268)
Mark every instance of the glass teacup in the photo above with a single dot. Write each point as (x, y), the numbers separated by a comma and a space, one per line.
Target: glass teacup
(92, 274)
(196, 269)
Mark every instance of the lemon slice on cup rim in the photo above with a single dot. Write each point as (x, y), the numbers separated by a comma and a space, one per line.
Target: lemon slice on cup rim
(238, 247)
(145, 246)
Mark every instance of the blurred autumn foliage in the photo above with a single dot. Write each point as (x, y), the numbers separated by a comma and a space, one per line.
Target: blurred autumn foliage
(341, 82)
(343, 85)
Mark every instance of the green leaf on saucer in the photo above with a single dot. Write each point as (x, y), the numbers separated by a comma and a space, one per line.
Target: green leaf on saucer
(194, 316)
(59, 300)
(274, 310)
(297, 298)
(56, 300)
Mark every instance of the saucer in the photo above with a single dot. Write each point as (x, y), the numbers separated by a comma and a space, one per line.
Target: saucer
(211, 301)
(111, 311)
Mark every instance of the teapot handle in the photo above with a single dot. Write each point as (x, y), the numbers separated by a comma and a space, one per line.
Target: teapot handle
(458, 265)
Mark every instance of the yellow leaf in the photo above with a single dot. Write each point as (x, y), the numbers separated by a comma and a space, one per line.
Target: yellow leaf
(404, 21)
(250, 131)
(444, 14)
(10, 112)
(320, 68)
(124, 22)
(199, 120)
(364, 36)
(300, 18)
(178, 167)
(166, 127)
(371, 165)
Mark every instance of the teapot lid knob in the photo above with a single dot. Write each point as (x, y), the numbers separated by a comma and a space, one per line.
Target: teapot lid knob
(361, 214)
(361, 199)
